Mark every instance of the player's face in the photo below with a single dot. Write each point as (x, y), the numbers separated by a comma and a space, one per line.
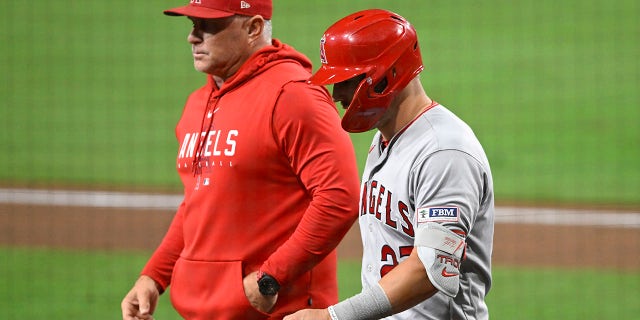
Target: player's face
(343, 91)
(219, 46)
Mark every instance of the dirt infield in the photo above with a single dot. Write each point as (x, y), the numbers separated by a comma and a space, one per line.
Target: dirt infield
(91, 228)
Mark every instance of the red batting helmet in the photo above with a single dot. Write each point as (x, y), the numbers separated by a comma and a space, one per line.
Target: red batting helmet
(381, 45)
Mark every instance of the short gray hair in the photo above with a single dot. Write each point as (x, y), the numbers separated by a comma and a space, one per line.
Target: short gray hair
(267, 32)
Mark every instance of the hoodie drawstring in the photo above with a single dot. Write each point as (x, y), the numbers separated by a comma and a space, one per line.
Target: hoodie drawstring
(204, 133)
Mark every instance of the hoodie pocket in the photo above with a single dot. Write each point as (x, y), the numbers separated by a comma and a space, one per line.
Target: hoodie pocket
(211, 290)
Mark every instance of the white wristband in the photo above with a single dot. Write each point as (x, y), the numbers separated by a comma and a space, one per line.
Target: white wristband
(332, 313)
(371, 303)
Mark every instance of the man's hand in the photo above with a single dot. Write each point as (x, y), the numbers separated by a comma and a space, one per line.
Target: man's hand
(309, 314)
(141, 301)
(260, 302)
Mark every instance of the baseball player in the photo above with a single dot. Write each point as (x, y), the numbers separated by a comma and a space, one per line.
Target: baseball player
(426, 195)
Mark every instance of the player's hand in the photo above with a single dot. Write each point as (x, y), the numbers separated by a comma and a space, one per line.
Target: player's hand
(258, 300)
(141, 301)
(309, 314)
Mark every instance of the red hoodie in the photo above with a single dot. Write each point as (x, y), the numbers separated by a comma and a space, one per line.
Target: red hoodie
(272, 186)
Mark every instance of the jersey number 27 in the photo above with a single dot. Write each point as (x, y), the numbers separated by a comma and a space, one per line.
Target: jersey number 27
(387, 254)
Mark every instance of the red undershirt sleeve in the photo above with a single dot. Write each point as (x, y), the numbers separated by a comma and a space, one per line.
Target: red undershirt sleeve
(306, 125)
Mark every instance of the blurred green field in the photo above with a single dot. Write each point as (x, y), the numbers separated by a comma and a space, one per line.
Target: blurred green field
(91, 90)
(93, 285)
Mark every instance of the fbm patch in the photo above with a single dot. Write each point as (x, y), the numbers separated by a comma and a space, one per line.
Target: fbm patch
(437, 214)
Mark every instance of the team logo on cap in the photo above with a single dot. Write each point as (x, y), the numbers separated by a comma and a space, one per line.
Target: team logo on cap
(437, 214)
(323, 53)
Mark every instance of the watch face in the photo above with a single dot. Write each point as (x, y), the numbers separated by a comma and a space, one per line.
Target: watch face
(268, 286)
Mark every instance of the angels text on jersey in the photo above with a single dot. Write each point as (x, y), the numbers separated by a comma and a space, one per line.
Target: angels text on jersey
(378, 201)
(218, 149)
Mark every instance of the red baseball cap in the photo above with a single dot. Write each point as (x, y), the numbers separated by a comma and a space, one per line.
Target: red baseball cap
(211, 9)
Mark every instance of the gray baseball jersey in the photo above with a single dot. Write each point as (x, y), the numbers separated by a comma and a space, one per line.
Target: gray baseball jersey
(436, 167)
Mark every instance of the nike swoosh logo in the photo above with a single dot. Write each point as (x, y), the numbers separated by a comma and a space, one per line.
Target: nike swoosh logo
(448, 274)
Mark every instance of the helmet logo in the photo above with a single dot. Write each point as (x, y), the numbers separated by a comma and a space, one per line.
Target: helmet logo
(323, 53)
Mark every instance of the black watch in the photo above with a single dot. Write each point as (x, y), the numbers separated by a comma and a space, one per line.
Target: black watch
(267, 284)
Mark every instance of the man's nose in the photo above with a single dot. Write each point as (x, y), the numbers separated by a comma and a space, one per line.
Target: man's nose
(194, 36)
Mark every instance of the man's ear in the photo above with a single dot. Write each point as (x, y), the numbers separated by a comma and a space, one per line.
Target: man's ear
(255, 27)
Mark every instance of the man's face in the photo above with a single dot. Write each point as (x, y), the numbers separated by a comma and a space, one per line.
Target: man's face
(343, 91)
(219, 46)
